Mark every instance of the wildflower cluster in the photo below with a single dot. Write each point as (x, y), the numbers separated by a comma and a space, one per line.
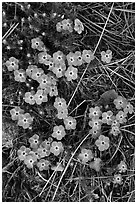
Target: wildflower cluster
(38, 152)
(99, 118)
(39, 97)
(61, 106)
(95, 121)
(57, 62)
(23, 119)
(78, 58)
(47, 85)
(121, 169)
(86, 156)
(68, 25)
(124, 108)
(58, 59)
(64, 25)
(98, 121)
(12, 64)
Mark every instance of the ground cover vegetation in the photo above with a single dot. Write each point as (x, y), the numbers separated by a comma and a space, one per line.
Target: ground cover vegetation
(68, 109)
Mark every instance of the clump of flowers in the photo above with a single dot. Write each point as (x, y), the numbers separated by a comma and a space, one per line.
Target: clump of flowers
(47, 85)
(102, 143)
(61, 106)
(106, 56)
(64, 25)
(41, 149)
(23, 119)
(78, 58)
(109, 118)
(58, 132)
(56, 148)
(78, 26)
(85, 155)
(123, 107)
(38, 150)
(28, 156)
(95, 122)
(67, 25)
(12, 64)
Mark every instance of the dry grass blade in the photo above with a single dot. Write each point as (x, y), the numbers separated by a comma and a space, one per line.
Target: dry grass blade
(8, 33)
(116, 149)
